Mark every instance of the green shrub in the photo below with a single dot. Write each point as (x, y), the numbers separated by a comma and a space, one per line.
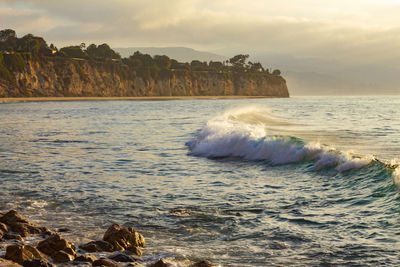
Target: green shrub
(14, 62)
(4, 72)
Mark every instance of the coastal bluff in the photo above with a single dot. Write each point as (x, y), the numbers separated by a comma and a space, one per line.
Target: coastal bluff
(31, 68)
(59, 77)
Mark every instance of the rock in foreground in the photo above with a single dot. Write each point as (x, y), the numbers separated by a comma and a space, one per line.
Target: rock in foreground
(59, 249)
(17, 223)
(19, 254)
(123, 238)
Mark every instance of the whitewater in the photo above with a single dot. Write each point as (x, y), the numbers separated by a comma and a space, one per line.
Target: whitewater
(302, 181)
(248, 133)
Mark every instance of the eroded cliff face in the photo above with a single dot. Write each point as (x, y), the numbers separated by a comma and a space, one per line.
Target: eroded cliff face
(68, 77)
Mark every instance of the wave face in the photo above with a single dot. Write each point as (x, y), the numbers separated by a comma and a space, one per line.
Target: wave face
(251, 134)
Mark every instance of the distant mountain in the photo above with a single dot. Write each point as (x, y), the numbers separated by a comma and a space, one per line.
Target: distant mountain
(314, 76)
(182, 54)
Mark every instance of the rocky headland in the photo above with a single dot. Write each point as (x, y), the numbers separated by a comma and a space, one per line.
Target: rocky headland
(31, 68)
(119, 246)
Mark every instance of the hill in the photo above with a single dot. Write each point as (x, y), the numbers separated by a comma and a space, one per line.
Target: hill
(182, 54)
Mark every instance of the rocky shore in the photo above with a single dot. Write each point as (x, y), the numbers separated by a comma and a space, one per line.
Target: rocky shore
(120, 246)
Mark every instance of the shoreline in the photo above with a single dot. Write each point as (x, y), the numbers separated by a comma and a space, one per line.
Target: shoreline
(123, 98)
(23, 243)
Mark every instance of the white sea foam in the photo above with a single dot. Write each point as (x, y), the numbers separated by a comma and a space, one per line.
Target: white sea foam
(396, 176)
(395, 164)
(230, 135)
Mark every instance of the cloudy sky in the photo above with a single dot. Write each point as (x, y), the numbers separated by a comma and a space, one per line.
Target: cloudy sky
(312, 36)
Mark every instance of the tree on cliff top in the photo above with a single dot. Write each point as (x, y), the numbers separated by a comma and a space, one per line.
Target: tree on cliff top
(102, 51)
(73, 52)
(238, 62)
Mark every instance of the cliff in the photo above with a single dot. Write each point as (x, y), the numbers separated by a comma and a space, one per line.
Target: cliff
(58, 76)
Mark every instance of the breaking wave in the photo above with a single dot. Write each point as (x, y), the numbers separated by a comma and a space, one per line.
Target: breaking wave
(245, 134)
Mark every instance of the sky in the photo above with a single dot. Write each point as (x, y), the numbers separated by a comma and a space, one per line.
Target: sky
(343, 40)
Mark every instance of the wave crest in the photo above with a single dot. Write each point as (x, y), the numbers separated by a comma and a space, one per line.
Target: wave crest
(232, 135)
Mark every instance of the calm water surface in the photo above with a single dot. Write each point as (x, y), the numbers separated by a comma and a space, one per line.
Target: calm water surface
(251, 182)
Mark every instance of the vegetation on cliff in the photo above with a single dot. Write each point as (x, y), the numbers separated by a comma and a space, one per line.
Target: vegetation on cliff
(31, 55)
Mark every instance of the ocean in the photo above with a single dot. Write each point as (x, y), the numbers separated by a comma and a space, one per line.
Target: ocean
(302, 181)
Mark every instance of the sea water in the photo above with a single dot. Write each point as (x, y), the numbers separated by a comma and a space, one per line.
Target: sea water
(244, 182)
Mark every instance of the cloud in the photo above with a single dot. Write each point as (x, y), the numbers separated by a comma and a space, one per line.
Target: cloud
(353, 32)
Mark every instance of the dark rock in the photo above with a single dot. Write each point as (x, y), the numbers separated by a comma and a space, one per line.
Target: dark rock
(123, 238)
(64, 230)
(3, 229)
(97, 246)
(37, 263)
(105, 262)
(17, 223)
(19, 254)
(57, 248)
(160, 263)
(86, 258)
(13, 236)
(203, 263)
(62, 256)
(134, 251)
(46, 234)
(12, 217)
(121, 257)
(4, 262)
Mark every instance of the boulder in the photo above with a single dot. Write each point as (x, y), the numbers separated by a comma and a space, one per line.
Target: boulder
(160, 263)
(12, 217)
(123, 238)
(59, 249)
(105, 262)
(97, 246)
(121, 257)
(3, 229)
(9, 236)
(62, 256)
(19, 254)
(4, 262)
(17, 223)
(86, 258)
(134, 251)
(37, 263)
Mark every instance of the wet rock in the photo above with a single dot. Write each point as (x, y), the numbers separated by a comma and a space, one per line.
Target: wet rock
(160, 263)
(203, 263)
(123, 238)
(86, 258)
(12, 217)
(134, 251)
(62, 256)
(4, 262)
(64, 230)
(19, 254)
(122, 257)
(57, 248)
(37, 263)
(3, 229)
(17, 223)
(9, 236)
(97, 246)
(46, 234)
(105, 262)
